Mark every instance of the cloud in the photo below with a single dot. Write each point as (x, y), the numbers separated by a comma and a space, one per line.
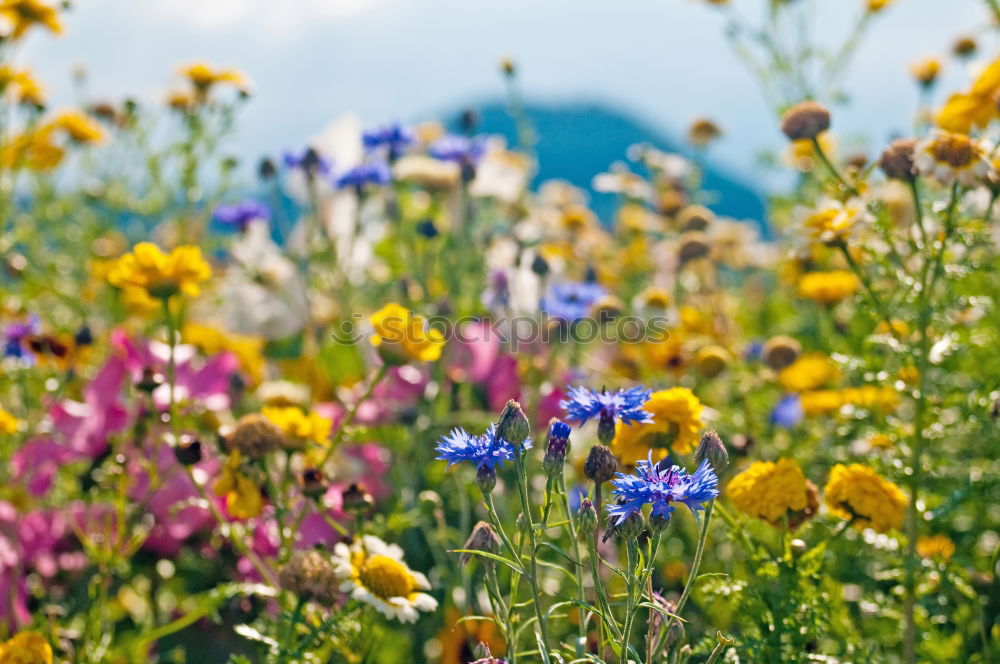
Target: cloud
(277, 18)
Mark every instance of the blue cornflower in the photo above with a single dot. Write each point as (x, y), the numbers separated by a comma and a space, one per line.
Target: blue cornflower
(571, 301)
(619, 405)
(238, 216)
(394, 137)
(368, 172)
(660, 487)
(308, 158)
(488, 450)
(460, 149)
(788, 413)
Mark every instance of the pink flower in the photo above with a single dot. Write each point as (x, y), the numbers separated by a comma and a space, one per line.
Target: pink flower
(477, 357)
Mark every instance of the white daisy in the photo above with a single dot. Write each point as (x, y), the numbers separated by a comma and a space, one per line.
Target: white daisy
(949, 157)
(375, 572)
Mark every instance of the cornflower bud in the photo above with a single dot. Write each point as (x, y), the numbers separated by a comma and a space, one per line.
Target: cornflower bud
(712, 448)
(601, 464)
(513, 424)
(486, 478)
(586, 516)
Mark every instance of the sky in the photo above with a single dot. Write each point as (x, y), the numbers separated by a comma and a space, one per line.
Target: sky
(662, 61)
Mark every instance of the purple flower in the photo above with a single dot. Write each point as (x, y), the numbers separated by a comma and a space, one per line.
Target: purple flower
(487, 450)
(788, 412)
(619, 405)
(309, 159)
(16, 336)
(460, 149)
(572, 300)
(660, 487)
(239, 215)
(366, 173)
(393, 137)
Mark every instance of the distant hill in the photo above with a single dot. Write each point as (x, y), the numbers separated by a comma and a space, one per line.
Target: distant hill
(578, 141)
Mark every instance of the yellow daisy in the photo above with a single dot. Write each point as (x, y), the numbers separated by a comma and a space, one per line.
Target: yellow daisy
(22, 14)
(770, 491)
(26, 648)
(298, 425)
(935, 546)
(808, 372)
(8, 423)
(159, 274)
(375, 573)
(828, 287)
(402, 336)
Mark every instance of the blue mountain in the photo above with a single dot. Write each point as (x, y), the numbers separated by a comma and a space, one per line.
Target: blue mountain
(575, 142)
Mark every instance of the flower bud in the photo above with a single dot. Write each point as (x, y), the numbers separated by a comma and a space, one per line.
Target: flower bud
(601, 464)
(805, 120)
(188, 450)
(586, 516)
(513, 424)
(605, 428)
(633, 526)
(780, 351)
(312, 482)
(482, 538)
(558, 447)
(712, 448)
(693, 245)
(255, 436)
(356, 500)
(658, 523)
(486, 478)
(897, 160)
(150, 380)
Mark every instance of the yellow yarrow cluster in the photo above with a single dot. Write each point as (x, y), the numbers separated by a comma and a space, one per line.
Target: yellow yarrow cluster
(676, 424)
(159, 274)
(26, 648)
(828, 287)
(935, 546)
(808, 372)
(298, 425)
(770, 491)
(856, 491)
(402, 336)
(824, 402)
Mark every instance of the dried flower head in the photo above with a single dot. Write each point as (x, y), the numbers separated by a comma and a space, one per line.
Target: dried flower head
(805, 120)
(780, 351)
(897, 160)
(482, 538)
(255, 436)
(311, 576)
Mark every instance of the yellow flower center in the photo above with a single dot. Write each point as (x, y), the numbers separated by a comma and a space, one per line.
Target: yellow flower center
(386, 577)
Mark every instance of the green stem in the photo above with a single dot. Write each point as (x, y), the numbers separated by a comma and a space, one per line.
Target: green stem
(831, 168)
(533, 540)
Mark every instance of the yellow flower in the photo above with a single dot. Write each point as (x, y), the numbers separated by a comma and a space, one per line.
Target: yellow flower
(22, 14)
(298, 424)
(828, 287)
(203, 76)
(873, 397)
(877, 5)
(243, 497)
(770, 491)
(248, 350)
(712, 360)
(935, 546)
(159, 274)
(653, 297)
(78, 126)
(33, 149)
(21, 85)
(909, 375)
(975, 108)
(808, 372)
(375, 573)
(879, 440)
(858, 491)
(402, 336)
(821, 402)
(8, 423)
(832, 220)
(26, 648)
(926, 71)
(676, 423)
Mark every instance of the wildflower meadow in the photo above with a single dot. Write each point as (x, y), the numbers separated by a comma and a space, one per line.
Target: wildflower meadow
(387, 396)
